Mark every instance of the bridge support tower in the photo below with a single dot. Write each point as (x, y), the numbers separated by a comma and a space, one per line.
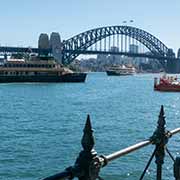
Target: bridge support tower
(56, 46)
(173, 65)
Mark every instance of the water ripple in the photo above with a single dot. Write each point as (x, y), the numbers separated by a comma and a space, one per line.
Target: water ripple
(42, 125)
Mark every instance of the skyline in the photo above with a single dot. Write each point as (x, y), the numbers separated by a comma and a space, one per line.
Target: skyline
(22, 22)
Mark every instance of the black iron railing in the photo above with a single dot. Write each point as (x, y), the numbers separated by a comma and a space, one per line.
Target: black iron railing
(88, 163)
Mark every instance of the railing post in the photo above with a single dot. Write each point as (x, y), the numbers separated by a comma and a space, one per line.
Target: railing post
(160, 139)
(87, 155)
(88, 164)
(177, 168)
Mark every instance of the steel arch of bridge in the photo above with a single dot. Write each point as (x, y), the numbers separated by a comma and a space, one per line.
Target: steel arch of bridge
(73, 46)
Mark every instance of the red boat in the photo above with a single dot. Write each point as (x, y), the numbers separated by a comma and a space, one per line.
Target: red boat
(167, 83)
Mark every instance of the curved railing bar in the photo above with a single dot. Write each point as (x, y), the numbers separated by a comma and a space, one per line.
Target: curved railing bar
(137, 146)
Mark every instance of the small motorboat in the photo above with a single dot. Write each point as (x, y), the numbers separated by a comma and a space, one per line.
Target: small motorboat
(167, 83)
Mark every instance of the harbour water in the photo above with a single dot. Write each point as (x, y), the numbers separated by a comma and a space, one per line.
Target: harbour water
(42, 124)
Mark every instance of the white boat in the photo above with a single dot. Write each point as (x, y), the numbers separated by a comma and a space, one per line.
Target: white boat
(120, 70)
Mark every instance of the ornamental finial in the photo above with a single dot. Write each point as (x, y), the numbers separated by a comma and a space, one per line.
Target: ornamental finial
(88, 139)
(161, 120)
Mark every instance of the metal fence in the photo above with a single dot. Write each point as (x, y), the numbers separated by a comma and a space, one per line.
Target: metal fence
(89, 163)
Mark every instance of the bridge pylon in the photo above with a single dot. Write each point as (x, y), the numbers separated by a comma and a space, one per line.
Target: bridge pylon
(56, 46)
(173, 63)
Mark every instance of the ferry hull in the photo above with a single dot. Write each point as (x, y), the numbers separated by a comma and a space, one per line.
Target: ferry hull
(113, 73)
(167, 88)
(71, 77)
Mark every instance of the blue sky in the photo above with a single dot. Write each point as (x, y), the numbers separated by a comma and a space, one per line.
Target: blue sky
(23, 20)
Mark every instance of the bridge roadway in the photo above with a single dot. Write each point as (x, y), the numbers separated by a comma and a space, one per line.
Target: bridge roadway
(8, 49)
(130, 54)
(173, 64)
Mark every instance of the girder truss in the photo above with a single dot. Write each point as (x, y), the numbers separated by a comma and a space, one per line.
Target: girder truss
(82, 41)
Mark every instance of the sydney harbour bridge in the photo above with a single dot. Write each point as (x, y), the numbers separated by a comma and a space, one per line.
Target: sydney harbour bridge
(111, 40)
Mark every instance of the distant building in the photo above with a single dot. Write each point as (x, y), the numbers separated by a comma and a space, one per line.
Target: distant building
(114, 49)
(102, 58)
(114, 59)
(133, 48)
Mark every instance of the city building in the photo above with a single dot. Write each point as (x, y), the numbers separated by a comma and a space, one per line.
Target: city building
(133, 48)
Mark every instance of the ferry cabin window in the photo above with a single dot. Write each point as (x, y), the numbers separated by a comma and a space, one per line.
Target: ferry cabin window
(43, 73)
